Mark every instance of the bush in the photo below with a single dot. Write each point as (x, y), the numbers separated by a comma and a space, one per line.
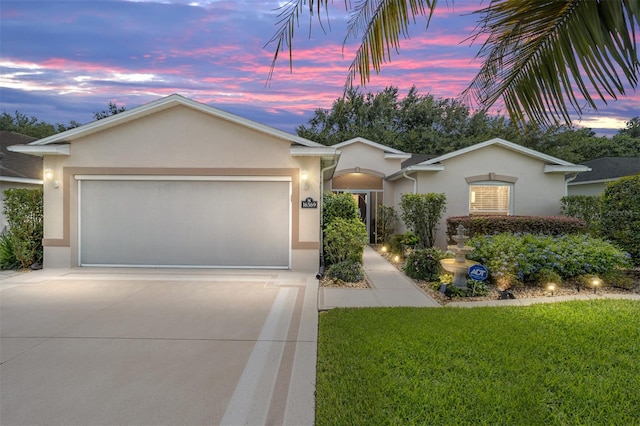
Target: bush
(338, 206)
(421, 214)
(7, 253)
(585, 207)
(347, 271)
(524, 258)
(490, 225)
(424, 264)
(621, 215)
(344, 240)
(385, 223)
(24, 211)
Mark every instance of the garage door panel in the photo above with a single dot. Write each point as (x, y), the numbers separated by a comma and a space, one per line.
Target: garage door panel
(185, 223)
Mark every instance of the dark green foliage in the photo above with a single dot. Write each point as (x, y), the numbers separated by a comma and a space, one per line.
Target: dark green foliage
(347, 271)
(527, 258)
(338, 206)
(385, 223)
(7, 253)
(424, 264)
(421, 214)
(32, 126)
(112, 109)
(585, 207)
(24, 211)
(621, 214)
(489, 225)
(344, 240)
(397, 245)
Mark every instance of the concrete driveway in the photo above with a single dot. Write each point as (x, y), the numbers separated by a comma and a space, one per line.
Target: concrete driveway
(152, 346)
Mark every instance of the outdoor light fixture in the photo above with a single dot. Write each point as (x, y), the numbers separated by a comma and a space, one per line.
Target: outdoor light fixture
(384, 249)
(50, 176)
(304, 177)
(595, 283)
(551, 287)
(396, 258)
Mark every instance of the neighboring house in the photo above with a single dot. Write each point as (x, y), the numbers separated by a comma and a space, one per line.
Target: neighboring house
(603, 171)
(16, 170)
(495, 177)
(177, 183)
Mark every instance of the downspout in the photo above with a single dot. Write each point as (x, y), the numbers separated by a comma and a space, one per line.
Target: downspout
(320, 273)
(567, 181)
(415, 182)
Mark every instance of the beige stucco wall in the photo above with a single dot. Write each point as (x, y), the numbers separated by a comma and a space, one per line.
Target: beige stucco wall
(534, 192)
(369, 159)
(586, 189)
(180, 141)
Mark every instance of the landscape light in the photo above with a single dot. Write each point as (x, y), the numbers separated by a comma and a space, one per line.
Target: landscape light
(384, 249)
(396, 258)
(595, 283)
(551, 287)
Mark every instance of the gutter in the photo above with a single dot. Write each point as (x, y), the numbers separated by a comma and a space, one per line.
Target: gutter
(320, 273)
(415, 182)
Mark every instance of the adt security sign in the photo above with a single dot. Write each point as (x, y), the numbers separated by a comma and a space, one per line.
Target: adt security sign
(478, 272)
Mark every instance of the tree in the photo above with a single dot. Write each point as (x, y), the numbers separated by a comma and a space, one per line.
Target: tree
(421, 214)
(112, 109)
(32, 126)
(540, 57)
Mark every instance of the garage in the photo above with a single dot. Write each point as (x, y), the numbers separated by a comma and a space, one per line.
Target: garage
(184, 221)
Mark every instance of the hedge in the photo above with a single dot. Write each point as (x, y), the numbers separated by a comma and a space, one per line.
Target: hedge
(621, 214)
(490, 225)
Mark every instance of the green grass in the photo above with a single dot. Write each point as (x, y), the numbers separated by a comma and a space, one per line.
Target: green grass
(573, 363)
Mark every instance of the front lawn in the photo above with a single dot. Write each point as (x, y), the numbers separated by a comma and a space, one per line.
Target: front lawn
(552, 364)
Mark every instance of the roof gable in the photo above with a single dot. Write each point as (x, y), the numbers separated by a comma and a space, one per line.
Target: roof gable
(384, 148)
(166, 103)
(502, 143)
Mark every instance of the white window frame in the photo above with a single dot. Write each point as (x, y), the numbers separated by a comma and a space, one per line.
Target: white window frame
(492, 212)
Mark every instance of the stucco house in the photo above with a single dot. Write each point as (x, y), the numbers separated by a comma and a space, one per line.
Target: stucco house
(602, 171)
(16, 170)
(494, 177)
(177, 183)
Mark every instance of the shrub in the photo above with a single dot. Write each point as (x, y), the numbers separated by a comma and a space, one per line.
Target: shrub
(344, 240)
(7, 253)
(424, 264)
(24, 211)
(421, 214)
(347, 271)
(585, 207)
(490, 225)
(621, 214)
(338, 206)
(385, 223)
(522, 258)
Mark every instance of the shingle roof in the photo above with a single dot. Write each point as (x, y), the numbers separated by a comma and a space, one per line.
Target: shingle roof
(14, 164)
(609, 168)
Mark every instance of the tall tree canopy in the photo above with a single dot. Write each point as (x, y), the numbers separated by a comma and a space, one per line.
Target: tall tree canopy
(541, 57)
(423, 124)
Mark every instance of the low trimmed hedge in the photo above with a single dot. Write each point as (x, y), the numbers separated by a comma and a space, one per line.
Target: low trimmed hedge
(490, 225)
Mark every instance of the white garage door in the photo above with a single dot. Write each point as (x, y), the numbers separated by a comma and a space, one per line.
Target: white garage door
(170, 221)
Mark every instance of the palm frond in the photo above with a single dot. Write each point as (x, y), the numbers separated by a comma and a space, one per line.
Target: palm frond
(288, 21)
(543, 57)
(381, 23)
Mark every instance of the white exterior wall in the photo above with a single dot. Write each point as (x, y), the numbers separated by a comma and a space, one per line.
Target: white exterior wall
(180, 141)
(586, 189)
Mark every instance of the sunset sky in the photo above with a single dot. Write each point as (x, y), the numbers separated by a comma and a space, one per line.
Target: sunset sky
(65, 60)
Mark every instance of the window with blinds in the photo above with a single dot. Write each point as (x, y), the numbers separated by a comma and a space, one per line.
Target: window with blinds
(490, 199)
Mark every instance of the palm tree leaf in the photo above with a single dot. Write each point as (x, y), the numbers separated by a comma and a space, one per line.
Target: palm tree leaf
(537, 52)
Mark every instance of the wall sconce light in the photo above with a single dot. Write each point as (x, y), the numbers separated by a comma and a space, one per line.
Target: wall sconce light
(50, 176)
(304, 177)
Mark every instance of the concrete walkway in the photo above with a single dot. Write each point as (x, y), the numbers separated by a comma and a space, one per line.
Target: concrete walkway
(389, 287)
